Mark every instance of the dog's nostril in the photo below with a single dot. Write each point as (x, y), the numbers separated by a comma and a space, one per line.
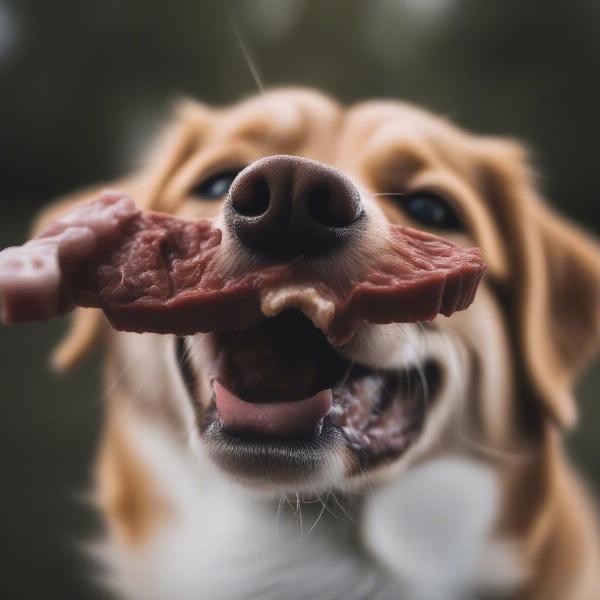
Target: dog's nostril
(331, 207)
(254, 201)
(284, 207)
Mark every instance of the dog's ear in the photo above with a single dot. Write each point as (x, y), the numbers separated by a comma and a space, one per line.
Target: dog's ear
(178, 141)
(552, 285)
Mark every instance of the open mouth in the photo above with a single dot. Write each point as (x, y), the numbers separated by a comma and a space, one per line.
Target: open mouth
(284, 398)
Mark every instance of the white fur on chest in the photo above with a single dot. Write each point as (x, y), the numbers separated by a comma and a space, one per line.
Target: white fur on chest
(427, 536)
(434, 529)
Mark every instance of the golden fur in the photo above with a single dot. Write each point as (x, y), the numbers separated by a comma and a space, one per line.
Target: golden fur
(541, 295)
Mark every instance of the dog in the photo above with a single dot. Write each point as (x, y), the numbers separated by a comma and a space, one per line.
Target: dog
(475, 498)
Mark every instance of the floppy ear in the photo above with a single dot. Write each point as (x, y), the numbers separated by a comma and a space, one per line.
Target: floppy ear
(177, 142)
(552, 289)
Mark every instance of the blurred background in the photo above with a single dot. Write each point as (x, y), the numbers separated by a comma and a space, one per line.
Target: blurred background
(85, 84)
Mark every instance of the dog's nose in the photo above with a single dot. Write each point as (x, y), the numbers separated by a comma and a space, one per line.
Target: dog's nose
(285, 206)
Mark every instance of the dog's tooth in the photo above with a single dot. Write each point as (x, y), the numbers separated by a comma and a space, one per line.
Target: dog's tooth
(319, 426)
(307, 299)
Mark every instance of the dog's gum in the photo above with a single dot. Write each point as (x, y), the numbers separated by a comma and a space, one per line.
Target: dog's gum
(372, 432)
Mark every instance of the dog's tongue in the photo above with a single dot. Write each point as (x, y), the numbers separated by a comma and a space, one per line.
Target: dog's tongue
(278, 419)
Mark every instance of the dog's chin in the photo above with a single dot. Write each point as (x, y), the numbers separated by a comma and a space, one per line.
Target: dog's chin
(274, 375)
(313, 461)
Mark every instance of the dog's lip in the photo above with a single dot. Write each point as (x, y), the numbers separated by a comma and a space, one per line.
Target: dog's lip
(374, 426)
(282, 419)
(377, 413)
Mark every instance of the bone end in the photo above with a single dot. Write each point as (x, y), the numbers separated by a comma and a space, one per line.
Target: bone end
(313, 305)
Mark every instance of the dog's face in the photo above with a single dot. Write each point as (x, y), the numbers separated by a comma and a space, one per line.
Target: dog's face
(250, 399)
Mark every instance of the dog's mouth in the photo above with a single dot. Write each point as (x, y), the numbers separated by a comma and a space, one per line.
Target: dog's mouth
(284, 400)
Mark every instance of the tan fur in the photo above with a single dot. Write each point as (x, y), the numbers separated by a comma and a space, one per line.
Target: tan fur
(542, 293)
(125, 490)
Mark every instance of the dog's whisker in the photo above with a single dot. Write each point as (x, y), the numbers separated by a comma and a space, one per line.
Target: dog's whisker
(419, 365)
(111, 386)
(289, 503)
(278, 513)
(341, 507)
(395, 330)
(347, 374)
(299, 522)
(366, 477)
(246, 54)
(318, 519)
(456, 361)
(328, 507)
(132, 359)
(423, 339)
(390, 194)
(496, 454)
(131, 393)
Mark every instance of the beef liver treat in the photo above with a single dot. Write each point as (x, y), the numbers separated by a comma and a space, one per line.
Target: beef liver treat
(151, 272)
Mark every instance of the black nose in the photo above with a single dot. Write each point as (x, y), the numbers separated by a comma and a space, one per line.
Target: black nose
(285, 206)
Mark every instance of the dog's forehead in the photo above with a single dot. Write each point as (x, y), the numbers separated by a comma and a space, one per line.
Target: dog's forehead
(380, 129)
(310, 123)
(290, 121)
(367, 118)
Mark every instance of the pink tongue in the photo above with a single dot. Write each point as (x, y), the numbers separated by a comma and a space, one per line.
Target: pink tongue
(282, 419)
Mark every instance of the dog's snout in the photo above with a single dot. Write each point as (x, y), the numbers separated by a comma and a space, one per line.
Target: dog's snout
(286, 206)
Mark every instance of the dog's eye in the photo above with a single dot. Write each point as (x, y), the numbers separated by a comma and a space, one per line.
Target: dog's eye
(215, 186)
(430, 210)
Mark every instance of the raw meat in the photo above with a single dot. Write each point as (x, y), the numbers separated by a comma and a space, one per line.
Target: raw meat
(151, 272)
